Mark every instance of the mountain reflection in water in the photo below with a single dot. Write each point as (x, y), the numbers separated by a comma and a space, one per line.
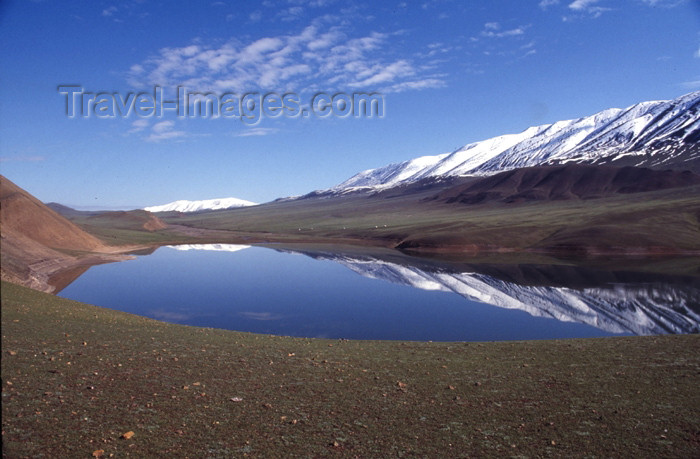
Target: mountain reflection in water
(614, 301)
(316, 294)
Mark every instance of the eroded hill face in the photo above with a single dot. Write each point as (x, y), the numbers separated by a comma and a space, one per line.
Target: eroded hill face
(26, 217)
(35, 239)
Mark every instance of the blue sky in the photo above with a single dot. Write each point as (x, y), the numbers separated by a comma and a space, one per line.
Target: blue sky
(450, 73)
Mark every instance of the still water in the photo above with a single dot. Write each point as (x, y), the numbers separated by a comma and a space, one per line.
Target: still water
(345, 294)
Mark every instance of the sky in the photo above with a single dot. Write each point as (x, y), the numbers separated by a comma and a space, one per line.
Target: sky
(442, 74)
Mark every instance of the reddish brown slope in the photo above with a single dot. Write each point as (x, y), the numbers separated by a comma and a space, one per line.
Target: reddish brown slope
(34, 240)
(23, 214)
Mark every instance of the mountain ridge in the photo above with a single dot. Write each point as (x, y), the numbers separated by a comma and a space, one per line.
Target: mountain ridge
(659, 134)
(569, 181)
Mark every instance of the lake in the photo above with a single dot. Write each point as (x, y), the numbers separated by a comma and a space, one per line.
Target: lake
(382, 294)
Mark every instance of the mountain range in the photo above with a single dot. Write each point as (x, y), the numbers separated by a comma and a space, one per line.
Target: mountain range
(656, 134)
(622, 181)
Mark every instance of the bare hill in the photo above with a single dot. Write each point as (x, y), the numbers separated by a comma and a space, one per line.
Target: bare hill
(38, 243)
(140, 219)
(572, 181)
(124, 219)
(23, 214)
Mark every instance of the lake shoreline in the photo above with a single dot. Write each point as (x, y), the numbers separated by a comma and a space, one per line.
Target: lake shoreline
(58, 275)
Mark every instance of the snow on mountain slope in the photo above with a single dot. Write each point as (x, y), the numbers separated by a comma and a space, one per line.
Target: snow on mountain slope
(646, 134)
(641, 309)
(196, 206)
(210, 247)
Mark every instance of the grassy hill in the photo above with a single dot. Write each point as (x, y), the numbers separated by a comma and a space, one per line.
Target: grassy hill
(662, 221)
(76, 378)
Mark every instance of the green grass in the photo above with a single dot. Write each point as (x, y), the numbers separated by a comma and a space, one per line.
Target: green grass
(118, 229)
(76, 377)
(628, 221)
(124, 236)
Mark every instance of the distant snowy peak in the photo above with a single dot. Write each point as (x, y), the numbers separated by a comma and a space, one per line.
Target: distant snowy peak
(647, 134)
(210, 247)
(196, 206)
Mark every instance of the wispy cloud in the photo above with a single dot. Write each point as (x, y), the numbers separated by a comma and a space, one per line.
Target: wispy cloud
(493, 30)
(138, 126)
(293, 13)
(164, 130)
(588, 7)
(418, 84)
(255, 132)
(544, 4)
(107, 12)
(580, 5)
(579, 9)
(695, 84)
(323, 55)
(125, 10)
(255, 16)
(496, 40)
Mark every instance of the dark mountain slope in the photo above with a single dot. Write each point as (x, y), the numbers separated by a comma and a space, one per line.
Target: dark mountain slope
(571, 181)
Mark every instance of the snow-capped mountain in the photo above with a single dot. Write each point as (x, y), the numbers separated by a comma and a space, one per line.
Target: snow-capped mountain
(648, 134)
(196, 206)
(210, 247)
(639, 308)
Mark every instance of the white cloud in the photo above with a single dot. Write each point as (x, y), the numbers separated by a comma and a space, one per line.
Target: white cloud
(697, 53)
(384, 74)
(581, 5)
(495, 41)
(109, 11)
(544, 4)
(292, 13)
(419, 84)
(138, 126)
(163, 126)
(695, 84)
(255, 16)
(323, 55)
(493, 30)
(255, 132)
(163, 130)
(587, 6)
(325, 40)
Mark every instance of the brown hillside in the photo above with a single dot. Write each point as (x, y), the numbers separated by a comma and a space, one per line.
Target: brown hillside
(573, 181)
(23, 214)
(34, 241)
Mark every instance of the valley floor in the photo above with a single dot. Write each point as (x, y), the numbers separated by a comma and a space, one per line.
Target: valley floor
(76, 378)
